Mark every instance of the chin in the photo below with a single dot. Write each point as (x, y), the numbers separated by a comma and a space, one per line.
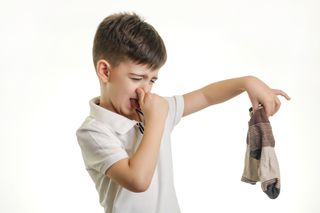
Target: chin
(128, 111)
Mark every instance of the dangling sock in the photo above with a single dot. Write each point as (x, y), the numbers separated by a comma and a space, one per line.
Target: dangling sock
(261, 163)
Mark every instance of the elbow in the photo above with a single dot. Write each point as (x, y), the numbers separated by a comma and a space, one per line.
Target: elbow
(140, 184)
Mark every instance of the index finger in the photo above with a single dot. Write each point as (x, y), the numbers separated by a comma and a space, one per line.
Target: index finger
(282, 93)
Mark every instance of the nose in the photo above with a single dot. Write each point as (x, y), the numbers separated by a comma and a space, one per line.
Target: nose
(146, 87)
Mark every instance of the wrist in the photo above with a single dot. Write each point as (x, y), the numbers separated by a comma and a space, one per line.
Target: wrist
(155, 120)
(154, 127)
(247, 82)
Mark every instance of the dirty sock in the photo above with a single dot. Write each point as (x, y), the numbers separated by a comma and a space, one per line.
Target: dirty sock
(261, 163)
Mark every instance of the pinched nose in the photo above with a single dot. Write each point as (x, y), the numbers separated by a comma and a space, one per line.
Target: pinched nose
(146, 87)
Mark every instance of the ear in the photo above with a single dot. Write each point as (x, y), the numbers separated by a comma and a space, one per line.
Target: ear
(103, 70)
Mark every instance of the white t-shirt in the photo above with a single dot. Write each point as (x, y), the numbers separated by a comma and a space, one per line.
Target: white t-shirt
(106, 137)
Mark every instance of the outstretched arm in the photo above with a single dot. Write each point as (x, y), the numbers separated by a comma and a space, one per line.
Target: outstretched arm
(218, 92)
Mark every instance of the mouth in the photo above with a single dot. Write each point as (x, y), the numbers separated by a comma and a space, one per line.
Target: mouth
(134, 103)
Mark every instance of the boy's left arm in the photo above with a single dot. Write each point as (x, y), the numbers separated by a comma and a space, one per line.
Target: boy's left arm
(218, 92)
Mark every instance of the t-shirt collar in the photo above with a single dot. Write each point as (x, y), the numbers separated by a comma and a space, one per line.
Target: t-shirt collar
(117, 122)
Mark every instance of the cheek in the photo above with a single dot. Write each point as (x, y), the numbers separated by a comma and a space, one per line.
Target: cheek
(124, 92)
(130, 88)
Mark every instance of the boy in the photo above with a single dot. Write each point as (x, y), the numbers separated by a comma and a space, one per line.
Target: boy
(125, 142)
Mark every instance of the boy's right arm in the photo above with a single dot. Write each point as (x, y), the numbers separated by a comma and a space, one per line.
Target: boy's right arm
(135, 173)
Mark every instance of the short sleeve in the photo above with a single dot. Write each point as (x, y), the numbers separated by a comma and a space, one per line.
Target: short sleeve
(176, 108)
(100, 149)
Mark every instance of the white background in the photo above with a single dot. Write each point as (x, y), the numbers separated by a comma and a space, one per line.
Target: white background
(47, 78)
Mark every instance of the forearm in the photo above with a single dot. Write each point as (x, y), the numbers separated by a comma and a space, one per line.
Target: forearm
(143, 163)
(222, 91)
(215, 93)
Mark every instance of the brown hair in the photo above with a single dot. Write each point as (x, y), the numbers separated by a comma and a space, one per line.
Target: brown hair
(124, 36)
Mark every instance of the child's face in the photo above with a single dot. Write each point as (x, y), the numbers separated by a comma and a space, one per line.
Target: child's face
(120, 94)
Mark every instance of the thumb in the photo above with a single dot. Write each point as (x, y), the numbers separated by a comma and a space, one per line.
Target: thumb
(255, 105)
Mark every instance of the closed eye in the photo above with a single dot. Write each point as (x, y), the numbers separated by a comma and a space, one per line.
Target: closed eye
(139, 79)
(136, 79)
